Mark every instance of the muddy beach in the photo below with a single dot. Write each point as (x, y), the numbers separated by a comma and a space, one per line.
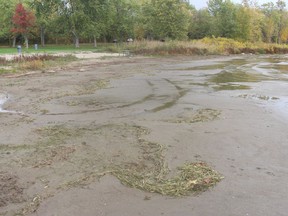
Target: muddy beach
(64, 132)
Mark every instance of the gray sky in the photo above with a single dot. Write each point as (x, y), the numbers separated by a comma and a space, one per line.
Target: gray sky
(202, 3)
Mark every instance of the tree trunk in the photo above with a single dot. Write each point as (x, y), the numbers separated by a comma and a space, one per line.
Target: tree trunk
(77, 42)
(95, 42)
(42, 35)
(76, 39)
(14, 42)
(26, 42)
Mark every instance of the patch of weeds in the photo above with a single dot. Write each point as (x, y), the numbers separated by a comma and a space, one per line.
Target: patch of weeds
(31, 58)
(275, 98)
(67, 58)
(238, 76)
(206, 67)
(88, 178)
(58, 134)
(60, 60)
(192, 178)
(50, 148)
(34, 62)
(91, 87)
(263, 97)
(201, 115)
(243, 96)
(150, 172)
(44, 111)
(152, 176)
(266, 98)
(204, 115)
(7, 70)
(4, 148)
(46, 157)
(231, 87)
(31, 65)
(26, 119)
(200, 84)
(83, 89)
(3, 61)
(11, 191)
(31, 207)
(73, 103)
(260, 97)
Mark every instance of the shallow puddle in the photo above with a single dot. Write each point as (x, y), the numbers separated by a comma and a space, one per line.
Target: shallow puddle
(3, 99)
(280, 67)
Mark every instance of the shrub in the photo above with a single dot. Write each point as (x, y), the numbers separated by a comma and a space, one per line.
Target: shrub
(27, 58)
(32, 65)
(3, 61)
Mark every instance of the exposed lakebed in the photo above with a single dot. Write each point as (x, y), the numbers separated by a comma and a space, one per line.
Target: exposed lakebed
(145, 123)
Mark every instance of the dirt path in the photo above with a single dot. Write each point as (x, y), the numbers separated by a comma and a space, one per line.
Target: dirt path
(66, 132)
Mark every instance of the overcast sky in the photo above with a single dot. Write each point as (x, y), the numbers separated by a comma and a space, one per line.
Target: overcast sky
(203, 3)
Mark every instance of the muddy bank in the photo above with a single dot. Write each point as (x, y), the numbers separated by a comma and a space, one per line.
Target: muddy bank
(81, 123)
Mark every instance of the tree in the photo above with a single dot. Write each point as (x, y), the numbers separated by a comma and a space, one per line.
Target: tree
(23, 21)
(44, 11)
(243, 23)
(256, 22)
(280, 7)
(98, 21)
(7, 8)
(224, 13)
(201, 24)
(123, 16)
(270, 22)
(74, 19)
(169, 18)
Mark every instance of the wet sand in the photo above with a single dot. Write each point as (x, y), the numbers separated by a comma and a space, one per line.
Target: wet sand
(230, 112)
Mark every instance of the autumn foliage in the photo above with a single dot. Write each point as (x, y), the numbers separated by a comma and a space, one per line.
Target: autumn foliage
(23, 20)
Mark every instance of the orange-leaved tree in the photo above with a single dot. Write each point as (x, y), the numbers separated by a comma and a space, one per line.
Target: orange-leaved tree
(23, 20)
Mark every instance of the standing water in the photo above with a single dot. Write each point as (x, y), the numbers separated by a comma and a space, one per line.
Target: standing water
(3, 99)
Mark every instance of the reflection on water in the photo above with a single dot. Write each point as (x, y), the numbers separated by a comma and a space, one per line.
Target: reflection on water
(220, 65)
(261, 80)
(3, 99)
(267, 75)
(280, 67)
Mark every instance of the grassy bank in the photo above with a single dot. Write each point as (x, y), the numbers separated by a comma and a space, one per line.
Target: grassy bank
(206, 46)
(32, 62)
(41, 58)
(54, 49)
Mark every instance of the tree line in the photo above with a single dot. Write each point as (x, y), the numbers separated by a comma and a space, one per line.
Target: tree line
(66, 21)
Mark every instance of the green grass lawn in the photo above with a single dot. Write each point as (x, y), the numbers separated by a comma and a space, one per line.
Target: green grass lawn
(56, 48)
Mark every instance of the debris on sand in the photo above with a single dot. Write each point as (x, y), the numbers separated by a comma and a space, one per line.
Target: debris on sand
(193, 178)
(150, 174)
(11, 191)
(201, 115)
